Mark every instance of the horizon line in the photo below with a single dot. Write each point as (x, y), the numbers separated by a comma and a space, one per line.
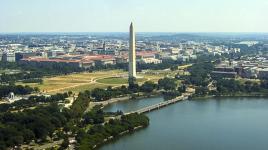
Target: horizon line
(41, 32)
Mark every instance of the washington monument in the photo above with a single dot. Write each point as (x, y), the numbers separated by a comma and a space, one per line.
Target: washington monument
(132, 53)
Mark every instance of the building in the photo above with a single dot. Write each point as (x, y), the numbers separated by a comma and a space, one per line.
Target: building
(222, 74)
(249, 72)
(263, 73)
(149, 61)
(1, 56)
(183, 58)
(132, 53)
(104, 46)
(8, 57)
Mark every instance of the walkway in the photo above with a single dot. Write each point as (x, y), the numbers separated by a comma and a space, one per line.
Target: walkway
(184, 96)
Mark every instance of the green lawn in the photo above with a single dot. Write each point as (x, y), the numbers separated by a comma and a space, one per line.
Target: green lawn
(117, 80)
(113, 80)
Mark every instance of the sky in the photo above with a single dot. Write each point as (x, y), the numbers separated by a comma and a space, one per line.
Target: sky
(147, 15)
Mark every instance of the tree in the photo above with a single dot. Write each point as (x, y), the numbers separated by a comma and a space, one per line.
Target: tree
(70, 93)
(199, 74)
(131, 82)
(173, 68)
(148, 86)
(167, 84)
(171, 94)
(64, 144)
(124, 89)
(134, 88)
(98, 94)
(182, 88)
(96, 116)
(264, 84)
(28, 135)
(201, 90)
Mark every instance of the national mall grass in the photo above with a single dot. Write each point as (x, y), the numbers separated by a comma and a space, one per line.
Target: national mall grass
(78, 82)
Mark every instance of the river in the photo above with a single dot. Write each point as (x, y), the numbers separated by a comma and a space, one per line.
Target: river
(212, 124)
(131, 105)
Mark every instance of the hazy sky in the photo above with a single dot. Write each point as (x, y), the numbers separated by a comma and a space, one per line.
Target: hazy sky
(147, 15)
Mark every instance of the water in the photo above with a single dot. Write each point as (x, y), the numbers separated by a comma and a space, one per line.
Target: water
(131, 105)
(213, 124)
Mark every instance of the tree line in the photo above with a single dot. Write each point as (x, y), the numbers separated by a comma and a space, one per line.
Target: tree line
(33, 124)
(31, 70)
(16, 89)
(45, 121)
(98, 133)
(169, 85)
(33, 101)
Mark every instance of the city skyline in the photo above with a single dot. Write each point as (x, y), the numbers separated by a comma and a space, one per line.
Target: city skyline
(149, 16)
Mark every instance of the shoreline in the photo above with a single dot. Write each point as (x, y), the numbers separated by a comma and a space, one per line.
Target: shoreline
(111, 138)
(125, 98)
(231, 95)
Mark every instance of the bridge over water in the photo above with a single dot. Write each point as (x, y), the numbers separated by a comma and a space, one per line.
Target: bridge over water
(184, 96)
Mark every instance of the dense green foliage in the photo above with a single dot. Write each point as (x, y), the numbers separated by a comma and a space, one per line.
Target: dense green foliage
(99, 94)
(199, 74)
(106, 94)
(40, 81)
(41, 122)
(98, 133)
(95, 116)
(22, 127)
(35, 70)
(264, 84)
(167, 84)
(21, 76)
(171, 94)
(201, 91)
(230, 86)
(148, 87)
(32, 101)
(16, 89)
(81, 104)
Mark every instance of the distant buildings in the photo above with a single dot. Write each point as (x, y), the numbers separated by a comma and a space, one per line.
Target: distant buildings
(84, 61)
(263, 73)
(7, 57)
(253, 68)
(147, 57)
(224, 72)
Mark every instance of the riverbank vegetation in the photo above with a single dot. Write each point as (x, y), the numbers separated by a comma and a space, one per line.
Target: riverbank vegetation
(90, 127)
(66, 122)
(99, 134)
(168, 86)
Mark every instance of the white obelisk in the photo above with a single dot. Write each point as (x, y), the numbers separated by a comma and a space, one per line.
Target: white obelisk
(132, 53)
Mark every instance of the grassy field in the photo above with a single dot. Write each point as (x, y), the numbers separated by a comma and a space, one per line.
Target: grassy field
(243, 80)
(117, 80)
(78, 82)
(113, 80)
(74, 82)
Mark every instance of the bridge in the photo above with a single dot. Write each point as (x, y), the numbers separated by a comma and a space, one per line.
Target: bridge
(161, 104)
